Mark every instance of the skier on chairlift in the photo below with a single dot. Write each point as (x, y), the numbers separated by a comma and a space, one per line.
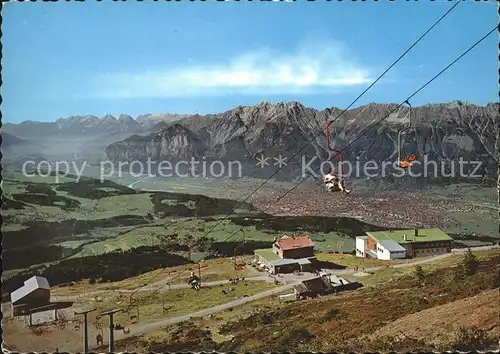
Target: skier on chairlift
(334, 183)
(194, 281)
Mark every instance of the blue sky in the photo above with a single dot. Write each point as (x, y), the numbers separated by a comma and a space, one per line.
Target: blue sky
(63, 59)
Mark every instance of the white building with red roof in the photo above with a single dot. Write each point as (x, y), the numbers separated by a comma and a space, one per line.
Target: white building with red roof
(294, 247)
(288, 254)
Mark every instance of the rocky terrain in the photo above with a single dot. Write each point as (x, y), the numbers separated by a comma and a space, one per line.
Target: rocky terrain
(91, 125)
(444, 133)
(149, 121)
(75, 137)
(13, 147)
(10, 141)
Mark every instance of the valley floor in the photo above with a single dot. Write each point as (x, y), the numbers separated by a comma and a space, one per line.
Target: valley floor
(93, 220)
(458, 208)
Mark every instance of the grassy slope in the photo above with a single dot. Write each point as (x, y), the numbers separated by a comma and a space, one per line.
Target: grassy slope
(43, 207)
(152, 306)
(212, 270)
(108, 239)
(481, 311)
(141, 204)
(244, 324)
(177, 302)
(361, 312)
(115, 238)
(391, 297)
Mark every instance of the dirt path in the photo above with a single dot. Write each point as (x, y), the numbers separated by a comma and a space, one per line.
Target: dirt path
(163, 288)
(454, 251)
(287, 278)
(141, 329)
(260, 277)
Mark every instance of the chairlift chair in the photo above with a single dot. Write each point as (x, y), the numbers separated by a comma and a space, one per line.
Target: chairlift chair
(99, 337)
(134, 318)
(334, 183)
(60, 324)
(409, 159)
(99, 323)
(239, 266)
(77, 325)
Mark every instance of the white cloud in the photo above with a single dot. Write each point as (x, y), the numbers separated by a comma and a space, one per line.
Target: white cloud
(311, 68)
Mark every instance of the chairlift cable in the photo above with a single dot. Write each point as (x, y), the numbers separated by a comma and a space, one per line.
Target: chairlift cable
(366, 90)
(411, 96)
(402, 131)
(296, 154)
(386, 115)
(336, 118)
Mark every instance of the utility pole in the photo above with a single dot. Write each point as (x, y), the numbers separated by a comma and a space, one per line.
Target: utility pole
(85, 330)
(163, 298)
(111, 327)
(199, 274)
(234, 251)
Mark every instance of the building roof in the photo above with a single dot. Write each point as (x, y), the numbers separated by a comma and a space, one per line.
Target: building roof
(301, 288)
(34, 283)
(392, 246)
(336, 279)
(284, 261)
(317, 284)
(290, 243)
(424, 235)
(303, 261)
(362, 237)
(267, 253)
(320, 284)
(38, 282)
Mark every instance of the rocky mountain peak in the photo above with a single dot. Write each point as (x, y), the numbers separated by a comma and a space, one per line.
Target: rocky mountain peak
(109, 117)
(174, 143)
(175, 129)
(125, 118)
(127, 123)
(77, 122)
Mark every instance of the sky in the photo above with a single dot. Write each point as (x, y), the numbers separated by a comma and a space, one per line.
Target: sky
(70, 58)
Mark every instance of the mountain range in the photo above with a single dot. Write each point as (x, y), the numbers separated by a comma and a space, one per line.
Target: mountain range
(442, 132)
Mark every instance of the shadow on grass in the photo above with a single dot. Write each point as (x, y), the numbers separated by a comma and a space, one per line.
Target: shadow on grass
(329, 265)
